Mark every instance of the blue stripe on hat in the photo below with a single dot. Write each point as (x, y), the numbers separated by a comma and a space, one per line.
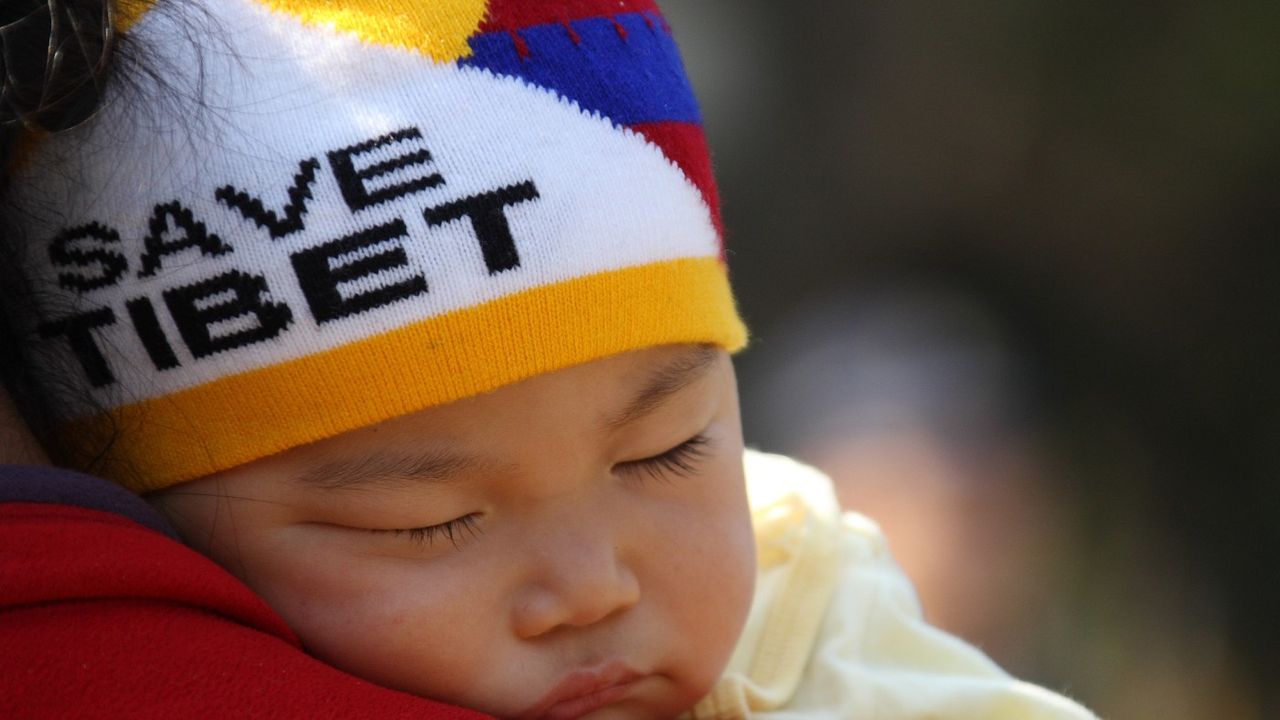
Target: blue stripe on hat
(630, 80)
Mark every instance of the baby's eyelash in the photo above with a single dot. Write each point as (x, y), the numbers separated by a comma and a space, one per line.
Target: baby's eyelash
(455, 531)
(680, 461)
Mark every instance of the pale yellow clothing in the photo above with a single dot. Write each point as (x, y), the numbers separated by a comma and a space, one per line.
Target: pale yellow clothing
(835, 630)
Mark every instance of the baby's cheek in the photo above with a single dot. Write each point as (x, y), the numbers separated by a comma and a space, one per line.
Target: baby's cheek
(388, 627)
(708, 576)
(327, 601)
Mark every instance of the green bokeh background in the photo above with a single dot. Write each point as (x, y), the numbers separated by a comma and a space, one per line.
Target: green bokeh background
(1100, 184)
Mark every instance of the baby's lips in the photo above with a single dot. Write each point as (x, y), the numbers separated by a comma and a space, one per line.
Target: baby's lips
(584, 690)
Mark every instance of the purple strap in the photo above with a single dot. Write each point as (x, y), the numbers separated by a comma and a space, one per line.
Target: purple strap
(44, 484)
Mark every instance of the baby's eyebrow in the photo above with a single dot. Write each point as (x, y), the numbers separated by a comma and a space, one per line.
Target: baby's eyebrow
(386, 469)
(686, 369)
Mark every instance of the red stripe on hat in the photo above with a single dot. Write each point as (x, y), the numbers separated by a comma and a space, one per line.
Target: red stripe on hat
(515, 14)
(686, 145)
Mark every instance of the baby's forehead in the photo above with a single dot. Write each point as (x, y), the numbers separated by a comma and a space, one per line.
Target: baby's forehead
(587, 405)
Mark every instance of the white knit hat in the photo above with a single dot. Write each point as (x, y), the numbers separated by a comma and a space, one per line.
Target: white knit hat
(329, 214)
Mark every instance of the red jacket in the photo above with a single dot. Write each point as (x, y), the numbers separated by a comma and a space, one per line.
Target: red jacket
(102, 614)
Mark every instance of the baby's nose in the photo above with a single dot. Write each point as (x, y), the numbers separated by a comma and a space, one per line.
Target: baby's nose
(583, 584)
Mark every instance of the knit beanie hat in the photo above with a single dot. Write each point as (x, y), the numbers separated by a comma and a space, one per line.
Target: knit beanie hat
(294, 218)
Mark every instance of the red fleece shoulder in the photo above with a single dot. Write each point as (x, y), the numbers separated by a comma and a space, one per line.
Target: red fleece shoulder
(102, 617)
(67, 554)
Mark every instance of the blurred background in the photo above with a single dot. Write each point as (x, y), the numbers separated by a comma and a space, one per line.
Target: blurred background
(1010, 269)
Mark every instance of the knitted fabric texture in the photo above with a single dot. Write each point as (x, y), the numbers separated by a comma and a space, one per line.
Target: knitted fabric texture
(321, 215)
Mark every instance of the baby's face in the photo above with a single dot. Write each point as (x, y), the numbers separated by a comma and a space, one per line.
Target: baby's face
(576, 544)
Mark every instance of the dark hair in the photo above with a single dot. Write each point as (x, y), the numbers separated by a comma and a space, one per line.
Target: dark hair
(55, 61)
(54, 58)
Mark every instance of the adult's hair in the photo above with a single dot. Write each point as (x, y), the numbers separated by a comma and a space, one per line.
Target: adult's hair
(55, 59)
(54, 62)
